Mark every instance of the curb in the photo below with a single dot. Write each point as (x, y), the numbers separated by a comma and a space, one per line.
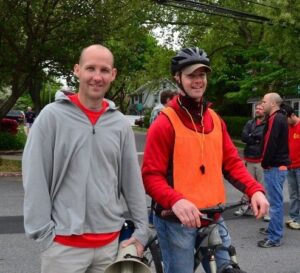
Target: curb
(10, 152)
(10, 174)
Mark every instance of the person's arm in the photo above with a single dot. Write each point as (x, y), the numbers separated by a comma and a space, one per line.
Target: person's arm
(234, 169)
(237, 174)
(246, 136)
(37, 174)
(278, 127)
(157, 157)
(132, 187)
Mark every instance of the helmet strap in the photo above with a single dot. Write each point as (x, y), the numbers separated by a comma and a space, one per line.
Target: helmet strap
(180, 85)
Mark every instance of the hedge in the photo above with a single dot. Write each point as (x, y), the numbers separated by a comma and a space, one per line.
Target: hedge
(235, 125)
(9, 126)
(9, 141)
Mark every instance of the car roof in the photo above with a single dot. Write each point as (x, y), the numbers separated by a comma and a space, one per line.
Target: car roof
(15, 111)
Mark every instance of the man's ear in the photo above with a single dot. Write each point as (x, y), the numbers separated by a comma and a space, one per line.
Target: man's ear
(114, 73)
(176, 78)
(76, 70)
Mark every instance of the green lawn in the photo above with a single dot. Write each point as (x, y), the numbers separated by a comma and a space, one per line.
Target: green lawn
(7, 165)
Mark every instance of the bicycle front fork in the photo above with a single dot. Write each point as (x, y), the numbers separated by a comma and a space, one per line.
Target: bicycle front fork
(232, 254)
(213, 264)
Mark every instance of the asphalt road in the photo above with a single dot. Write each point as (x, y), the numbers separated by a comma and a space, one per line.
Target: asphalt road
(19, 254)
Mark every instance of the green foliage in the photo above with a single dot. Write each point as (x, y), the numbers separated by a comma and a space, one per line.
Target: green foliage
(147, 115)
(12, 142)
(42, 39)
(248, 59)
(235, 125)
(48, 92)
(7, 165)
(23, 102)
(138, 60)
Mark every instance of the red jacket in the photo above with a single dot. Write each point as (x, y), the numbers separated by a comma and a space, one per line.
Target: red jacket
(158, 156)
(294, 145)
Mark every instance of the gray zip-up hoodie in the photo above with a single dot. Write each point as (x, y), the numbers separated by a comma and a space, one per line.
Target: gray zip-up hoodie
(74, 174)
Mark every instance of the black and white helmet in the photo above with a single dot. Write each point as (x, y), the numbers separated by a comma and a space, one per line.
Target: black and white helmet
(187, 57)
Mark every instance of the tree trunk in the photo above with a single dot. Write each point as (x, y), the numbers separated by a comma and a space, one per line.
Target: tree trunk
(35, 94)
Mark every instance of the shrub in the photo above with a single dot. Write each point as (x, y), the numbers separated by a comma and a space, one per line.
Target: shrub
(235, 125)
(9, 141)
(147, 115)
(9, 126)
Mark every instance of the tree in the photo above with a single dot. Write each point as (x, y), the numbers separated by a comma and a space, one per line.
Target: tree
(42, 39)
(248, 58)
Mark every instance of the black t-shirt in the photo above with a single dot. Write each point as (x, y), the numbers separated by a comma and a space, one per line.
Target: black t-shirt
(29, 116)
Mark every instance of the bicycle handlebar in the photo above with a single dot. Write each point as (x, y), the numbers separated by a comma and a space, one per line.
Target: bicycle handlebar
(222, 207)
(210, 210)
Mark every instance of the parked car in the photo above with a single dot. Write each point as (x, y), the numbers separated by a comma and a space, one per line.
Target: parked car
(16, 115)
(139, 122)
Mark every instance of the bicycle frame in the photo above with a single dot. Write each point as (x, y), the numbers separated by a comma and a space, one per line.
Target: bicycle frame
(210, 242)
(210, 239)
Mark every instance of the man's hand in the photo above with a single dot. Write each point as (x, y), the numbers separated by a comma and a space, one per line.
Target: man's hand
(187, 213)
(260, 204)
(136, 242)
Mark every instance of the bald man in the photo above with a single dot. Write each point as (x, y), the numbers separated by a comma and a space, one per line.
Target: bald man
(79, 160)
(275, 159)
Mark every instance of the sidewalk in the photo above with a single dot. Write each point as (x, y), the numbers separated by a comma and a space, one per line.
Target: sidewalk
(18, 254)
(11, 154)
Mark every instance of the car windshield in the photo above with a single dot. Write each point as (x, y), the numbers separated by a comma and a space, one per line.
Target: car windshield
(14, 112)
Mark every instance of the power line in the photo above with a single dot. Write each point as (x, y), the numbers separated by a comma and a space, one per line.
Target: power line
(215, 10)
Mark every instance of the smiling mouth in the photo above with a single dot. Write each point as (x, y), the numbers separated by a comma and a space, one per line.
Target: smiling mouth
(96, 86)
(197, 89)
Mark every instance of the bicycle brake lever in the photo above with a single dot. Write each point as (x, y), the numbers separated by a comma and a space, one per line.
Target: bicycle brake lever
(207, 218)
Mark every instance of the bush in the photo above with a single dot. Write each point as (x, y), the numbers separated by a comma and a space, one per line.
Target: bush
(235, 125)
(147, 115)
(9, 126)
(9, 141)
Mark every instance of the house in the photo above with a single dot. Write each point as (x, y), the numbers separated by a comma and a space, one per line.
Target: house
(147, 96)
(292, 100)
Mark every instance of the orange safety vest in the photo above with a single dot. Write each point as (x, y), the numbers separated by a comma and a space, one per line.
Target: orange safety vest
(203, 189)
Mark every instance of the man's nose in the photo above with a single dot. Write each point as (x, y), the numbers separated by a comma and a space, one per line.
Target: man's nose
(98, 75)
(198, 79)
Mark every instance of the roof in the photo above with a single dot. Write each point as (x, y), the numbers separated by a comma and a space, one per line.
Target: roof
(154, 86)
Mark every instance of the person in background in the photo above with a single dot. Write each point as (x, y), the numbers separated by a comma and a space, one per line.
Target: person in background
(165, 97)
(187, 151)
(275, 159)
(252, 135)
(293, 176)
(79, 160)
(29, 119)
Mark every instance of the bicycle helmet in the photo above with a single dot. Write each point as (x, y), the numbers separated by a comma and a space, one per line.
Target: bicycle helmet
(187, 57)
